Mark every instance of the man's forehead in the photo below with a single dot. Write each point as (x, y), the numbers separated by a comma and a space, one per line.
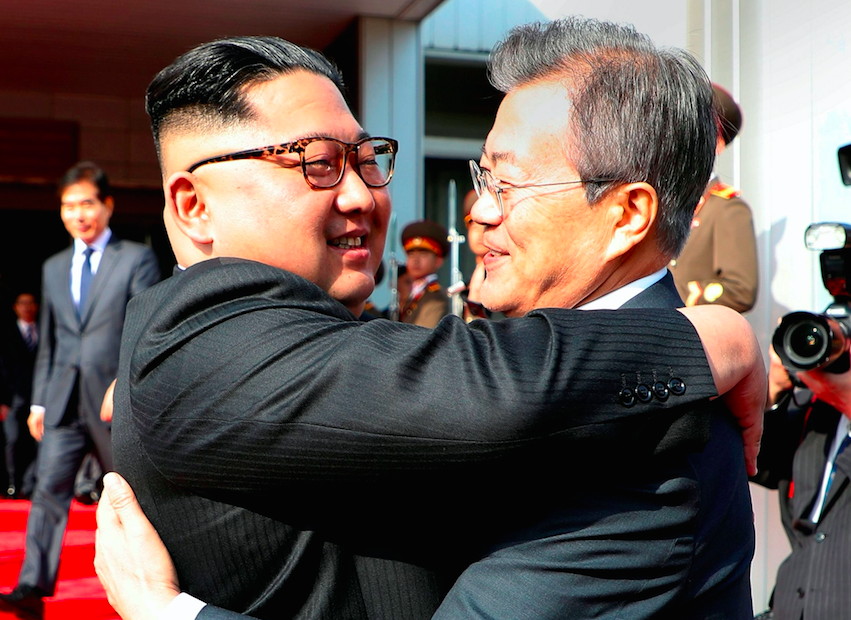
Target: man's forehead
(82, 190)
(531, 123)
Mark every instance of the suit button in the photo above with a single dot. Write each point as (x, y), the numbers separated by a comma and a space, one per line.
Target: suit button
(678, 388)
(627, 397)
(643, 393)
(660, 390)
(800, 592)
(820, 536)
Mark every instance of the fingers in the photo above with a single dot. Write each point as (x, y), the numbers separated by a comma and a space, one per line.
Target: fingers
(122, 499)
(106, 405)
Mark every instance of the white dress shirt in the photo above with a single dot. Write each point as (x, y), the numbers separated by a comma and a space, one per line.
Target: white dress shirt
(98, 245)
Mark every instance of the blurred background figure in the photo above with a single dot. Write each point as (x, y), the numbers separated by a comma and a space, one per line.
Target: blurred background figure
(17, 354)
(426, 244)
(85, 290)
(718, 264)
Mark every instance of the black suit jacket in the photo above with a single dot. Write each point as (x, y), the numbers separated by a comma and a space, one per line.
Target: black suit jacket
(663, 537)
(812, 582)
(243, 385)
(17, 362)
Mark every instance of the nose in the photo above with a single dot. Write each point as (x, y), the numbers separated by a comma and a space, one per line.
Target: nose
(353, 194)
(485, 210)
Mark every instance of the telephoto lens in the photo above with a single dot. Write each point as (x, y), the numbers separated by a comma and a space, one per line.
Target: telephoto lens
(804, 340)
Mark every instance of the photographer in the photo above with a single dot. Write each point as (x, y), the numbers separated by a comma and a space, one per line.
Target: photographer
(803, 457)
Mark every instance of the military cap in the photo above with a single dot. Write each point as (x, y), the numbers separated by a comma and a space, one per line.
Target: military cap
(426, 235)
(729, 113)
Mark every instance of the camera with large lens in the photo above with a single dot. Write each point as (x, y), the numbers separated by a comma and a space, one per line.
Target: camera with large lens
(805, 340)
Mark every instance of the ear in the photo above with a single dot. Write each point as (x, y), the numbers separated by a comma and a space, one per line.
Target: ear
(632, 209)
(438, 263)
(109, 203)
(187, 208)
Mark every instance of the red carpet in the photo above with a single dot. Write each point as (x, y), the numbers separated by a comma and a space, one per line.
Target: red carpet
(79, 595)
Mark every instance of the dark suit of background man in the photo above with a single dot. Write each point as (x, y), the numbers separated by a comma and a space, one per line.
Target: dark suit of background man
(467, 447)
(805, 457)
(85, 291)
(17, 350)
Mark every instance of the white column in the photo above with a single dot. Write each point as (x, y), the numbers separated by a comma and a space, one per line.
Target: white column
(391, 104)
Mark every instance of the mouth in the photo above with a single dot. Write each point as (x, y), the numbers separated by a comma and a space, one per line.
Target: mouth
(348, 243)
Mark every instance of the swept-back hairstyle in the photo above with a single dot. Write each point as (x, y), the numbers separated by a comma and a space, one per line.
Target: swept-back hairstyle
(638, 113)
(206, 86)
(86, 171)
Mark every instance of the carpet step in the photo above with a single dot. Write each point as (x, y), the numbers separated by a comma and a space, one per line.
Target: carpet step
(14, 513)
(79, 595)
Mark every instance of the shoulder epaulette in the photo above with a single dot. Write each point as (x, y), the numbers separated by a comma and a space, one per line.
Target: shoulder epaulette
(434, 286)
(724, 191)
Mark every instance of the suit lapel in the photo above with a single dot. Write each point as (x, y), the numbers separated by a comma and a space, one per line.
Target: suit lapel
(107, 264)
(62, 297)
(810, 458)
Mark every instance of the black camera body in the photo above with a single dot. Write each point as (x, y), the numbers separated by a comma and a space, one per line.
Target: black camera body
(805, 340)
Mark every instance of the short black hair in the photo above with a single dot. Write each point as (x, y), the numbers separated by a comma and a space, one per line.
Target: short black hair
(86, 171)
(206, 86)
(638, 113)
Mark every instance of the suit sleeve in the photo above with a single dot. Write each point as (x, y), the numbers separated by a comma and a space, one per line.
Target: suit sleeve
(147, 272)
(782, 433)
(734, 259)
(46, 342)
(234, 390)
(211, 612)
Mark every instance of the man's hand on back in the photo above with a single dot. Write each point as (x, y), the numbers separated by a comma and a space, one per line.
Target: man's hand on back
(131, 560)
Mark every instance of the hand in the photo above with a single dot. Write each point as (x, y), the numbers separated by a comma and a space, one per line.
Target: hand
(735, 360)
(106, 405)
(778, 378)
(476, 280)
(131, 560)
(35, 422)
(831, 388)
(4, 411)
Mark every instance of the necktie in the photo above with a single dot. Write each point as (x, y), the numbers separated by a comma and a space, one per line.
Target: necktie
(85, 278)
(29, 337)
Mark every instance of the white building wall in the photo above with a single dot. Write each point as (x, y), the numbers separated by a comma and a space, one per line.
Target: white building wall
(391, 104)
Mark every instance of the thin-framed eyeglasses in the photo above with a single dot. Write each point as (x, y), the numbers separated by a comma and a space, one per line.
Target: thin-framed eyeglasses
(323, 160)
(484, 181)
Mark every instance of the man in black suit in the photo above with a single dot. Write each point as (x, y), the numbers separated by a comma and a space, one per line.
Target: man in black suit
(17, 354)
(241, 381)
(806, 459)
(85, 291)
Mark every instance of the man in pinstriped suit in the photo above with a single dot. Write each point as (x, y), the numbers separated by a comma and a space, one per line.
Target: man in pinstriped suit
(804, 458)
(360, 460)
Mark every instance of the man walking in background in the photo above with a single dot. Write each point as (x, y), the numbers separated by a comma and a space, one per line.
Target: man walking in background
(85, 291)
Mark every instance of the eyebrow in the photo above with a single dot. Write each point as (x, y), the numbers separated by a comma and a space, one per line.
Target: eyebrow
(363, 134)
(498, 156)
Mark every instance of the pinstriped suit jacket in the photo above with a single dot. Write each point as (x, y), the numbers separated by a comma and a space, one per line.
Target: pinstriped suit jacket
(814, 582)
(248, 397)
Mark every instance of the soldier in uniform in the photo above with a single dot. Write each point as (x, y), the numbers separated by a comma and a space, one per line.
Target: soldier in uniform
(718, 264)
(426, 243)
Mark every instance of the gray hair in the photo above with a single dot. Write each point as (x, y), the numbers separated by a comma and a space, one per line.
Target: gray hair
(639, 113)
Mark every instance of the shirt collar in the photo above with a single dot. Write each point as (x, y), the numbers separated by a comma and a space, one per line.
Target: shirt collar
(617, 298)
(99, 244)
